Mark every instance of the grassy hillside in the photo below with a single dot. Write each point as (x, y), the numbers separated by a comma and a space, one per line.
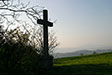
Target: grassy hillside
(99, 64)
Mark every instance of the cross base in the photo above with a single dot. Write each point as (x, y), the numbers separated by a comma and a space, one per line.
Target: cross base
(46, 62)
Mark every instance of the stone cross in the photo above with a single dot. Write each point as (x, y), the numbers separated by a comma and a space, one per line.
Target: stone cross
(45, 24)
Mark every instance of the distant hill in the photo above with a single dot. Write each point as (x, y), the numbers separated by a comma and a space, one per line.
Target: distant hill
(81, 52)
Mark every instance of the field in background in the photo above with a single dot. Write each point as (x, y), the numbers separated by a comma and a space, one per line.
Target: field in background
(98, 64)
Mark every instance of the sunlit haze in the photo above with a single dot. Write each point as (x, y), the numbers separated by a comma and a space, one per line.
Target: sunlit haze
(81, 24)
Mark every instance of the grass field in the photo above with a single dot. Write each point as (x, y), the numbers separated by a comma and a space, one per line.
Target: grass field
(99, 64)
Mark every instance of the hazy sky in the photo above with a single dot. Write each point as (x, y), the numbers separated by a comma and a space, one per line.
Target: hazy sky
(81, 24)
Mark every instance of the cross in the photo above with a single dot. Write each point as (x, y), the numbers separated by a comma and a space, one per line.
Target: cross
(45, 24)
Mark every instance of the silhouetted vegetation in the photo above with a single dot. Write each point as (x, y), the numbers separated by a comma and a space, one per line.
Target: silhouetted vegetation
(19, 53)
(21, 47)
(16, 56)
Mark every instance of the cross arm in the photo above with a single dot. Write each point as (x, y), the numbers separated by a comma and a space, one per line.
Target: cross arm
(42, 22)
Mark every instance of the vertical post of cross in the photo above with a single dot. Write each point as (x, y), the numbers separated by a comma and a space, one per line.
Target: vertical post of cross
(45, 24)
(45, 32)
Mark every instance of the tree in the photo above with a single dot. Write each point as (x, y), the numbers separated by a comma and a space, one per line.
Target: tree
(21, 52)
(22, 42)
(11, 13)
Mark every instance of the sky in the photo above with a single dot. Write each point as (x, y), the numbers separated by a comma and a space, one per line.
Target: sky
(81, 24)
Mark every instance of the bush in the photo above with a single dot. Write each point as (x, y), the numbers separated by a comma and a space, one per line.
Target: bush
(16, 56)
(21, 52)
